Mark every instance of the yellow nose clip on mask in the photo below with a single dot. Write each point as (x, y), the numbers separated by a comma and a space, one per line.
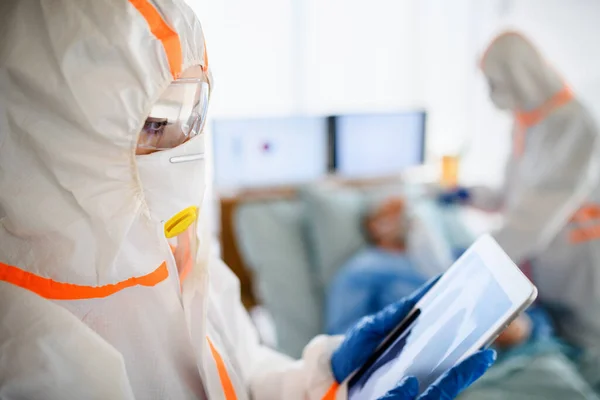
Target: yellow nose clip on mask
(180, 222)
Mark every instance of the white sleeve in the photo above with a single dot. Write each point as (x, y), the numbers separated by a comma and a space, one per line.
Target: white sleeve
(553, 183)
(271, 375)
(310, 378)
(47, 353)
(493, 199)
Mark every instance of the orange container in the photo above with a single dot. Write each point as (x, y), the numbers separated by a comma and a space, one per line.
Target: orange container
(449, 176)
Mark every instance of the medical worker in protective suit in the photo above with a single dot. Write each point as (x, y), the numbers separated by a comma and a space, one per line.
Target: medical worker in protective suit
(108, 288)
(551, 197)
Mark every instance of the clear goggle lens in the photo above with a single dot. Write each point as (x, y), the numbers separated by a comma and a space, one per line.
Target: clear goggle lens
(177, 116)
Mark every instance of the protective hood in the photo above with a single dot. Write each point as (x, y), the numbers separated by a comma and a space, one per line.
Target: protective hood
(77, 80)
(520, 77)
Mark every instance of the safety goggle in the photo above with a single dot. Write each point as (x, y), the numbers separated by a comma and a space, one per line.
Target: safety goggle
(177, 116)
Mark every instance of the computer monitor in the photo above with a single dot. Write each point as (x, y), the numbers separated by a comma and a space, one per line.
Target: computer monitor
(269, 152)
(373, 145)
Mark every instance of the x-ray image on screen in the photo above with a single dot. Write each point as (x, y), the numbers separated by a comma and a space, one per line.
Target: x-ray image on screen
(444, 329)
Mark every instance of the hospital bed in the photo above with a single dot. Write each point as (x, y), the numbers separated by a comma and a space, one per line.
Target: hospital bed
(295, 245)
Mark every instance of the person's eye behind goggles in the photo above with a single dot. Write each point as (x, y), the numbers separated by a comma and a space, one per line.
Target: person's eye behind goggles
(177, 116)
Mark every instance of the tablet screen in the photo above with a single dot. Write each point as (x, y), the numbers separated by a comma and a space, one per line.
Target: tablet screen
(449, 321)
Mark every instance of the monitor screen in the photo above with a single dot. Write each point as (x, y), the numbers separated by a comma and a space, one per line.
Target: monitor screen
(269, 152)
(378, 144)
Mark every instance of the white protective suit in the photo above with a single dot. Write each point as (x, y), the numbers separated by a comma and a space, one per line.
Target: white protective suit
(91, 304)
(551, 195)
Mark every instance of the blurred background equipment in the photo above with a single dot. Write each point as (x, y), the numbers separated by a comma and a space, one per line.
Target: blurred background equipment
(374, 145)
(269, 151)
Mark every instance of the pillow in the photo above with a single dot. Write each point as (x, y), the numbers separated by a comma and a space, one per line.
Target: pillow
(271, 237)
(334, 216)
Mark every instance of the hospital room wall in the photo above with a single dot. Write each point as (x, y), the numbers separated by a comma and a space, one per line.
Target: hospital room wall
(452, 36)
(284, 57)
(343, 56)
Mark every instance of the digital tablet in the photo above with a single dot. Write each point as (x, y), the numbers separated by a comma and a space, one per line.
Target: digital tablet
(462, 313)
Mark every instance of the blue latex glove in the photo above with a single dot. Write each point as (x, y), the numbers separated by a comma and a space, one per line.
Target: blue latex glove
(450, 384)
(364, 338)
(456, 196)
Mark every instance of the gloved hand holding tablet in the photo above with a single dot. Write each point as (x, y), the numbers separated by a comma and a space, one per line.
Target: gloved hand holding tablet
(429, 344)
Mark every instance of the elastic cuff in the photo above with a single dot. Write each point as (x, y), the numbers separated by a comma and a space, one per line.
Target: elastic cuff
(317, 360)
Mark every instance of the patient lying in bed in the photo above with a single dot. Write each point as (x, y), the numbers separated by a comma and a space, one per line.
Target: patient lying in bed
(385, 272)
(533, 364)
